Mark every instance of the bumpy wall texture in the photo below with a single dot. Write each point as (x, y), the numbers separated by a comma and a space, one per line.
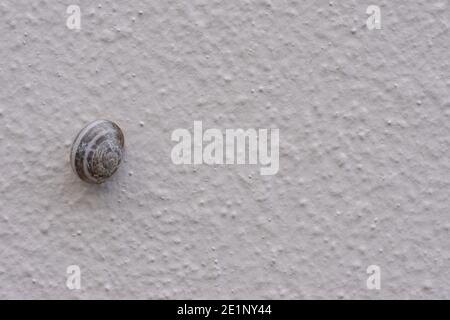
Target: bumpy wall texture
(364, 119)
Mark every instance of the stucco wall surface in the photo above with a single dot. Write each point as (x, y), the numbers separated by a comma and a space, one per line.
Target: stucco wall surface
(364, 126)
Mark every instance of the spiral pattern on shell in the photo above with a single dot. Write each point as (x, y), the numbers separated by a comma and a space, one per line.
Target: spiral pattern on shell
(97, 151)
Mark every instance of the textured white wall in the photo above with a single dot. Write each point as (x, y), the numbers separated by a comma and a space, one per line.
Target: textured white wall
(364, 150)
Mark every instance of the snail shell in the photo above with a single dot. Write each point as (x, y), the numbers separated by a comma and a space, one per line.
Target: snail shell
(97, 151)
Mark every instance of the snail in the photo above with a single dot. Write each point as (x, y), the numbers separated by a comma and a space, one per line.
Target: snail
(97, 151)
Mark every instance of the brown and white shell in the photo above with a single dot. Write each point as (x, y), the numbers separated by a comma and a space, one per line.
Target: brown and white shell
(97, 151)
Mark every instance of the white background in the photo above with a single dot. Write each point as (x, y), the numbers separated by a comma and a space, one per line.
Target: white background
(364, 149)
